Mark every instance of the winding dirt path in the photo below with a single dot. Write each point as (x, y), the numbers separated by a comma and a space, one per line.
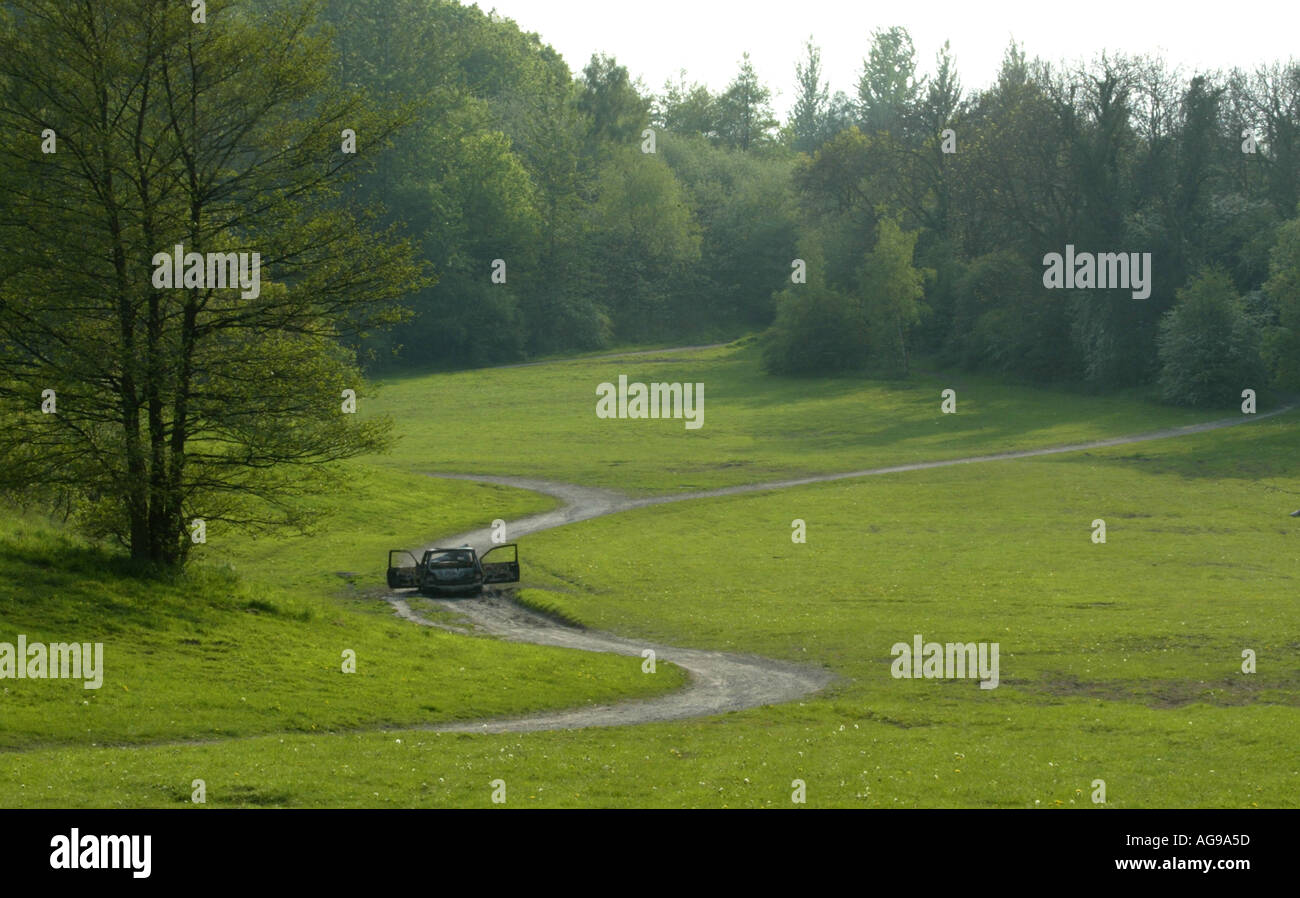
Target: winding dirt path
(720, 681)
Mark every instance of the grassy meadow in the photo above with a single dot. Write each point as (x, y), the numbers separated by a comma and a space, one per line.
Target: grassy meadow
(1119, 661)
(539, 421)
(250, 639)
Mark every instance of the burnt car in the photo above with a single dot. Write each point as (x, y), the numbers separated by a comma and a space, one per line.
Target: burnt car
(458, 570)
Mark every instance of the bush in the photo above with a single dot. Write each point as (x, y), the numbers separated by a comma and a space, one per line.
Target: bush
(1209, 347)
(1006, 322)
(818, 330)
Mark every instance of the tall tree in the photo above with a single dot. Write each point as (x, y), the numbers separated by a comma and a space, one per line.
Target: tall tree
(617, 112)
(745, 119)
(889, 93)
(892, 292)
(1274, 99)
(1196, 166)
(198, 399)
(645, 237)
(686, 108)
(811, 104)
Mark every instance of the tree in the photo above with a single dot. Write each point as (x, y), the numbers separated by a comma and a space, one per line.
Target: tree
(1114, 332)
(840, 114)
(1005, 320)
(1209, 348)
(645, 237)
(561, 310)
(889, 93)
(1284, 287)
(818, 329)
(617, 113)
(747, 231)
(942, 99)
(892, 292)
(943, 93)
(201, 401)
(485, 207)
(745, 119)
(686, 109)
(1196, 167)
(1273, 101)
(838, 176)
(811, 106)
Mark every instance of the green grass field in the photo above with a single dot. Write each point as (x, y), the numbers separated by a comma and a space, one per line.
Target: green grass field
(540, 421)
(252, 642)
(1120, 661)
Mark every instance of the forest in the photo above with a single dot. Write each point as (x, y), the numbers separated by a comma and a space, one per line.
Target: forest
(921, 209)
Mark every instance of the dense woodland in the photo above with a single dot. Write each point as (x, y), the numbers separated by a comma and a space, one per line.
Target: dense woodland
(428, 187)
(909, 249)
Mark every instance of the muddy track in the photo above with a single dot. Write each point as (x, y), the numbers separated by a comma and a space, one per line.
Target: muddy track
(720, 681)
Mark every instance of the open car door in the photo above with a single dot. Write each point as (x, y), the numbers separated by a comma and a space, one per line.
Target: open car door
(403, 570)
(504, 568)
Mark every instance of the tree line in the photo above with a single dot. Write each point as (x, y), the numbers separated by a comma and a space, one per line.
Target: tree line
(922, 210)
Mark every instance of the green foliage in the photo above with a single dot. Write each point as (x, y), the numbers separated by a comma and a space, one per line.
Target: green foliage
(809, 117)
(745, 213)
(818, 330)
(198, 402)
(744, 111)
(646, 238)
(686, 109)
(617, 113)
(1120, 154)
(1284, 287)
(1005, 321)
(892, 289)
(889, 91)
(1209, 348)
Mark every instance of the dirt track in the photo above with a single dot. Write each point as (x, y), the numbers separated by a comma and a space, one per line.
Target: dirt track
(720, 681)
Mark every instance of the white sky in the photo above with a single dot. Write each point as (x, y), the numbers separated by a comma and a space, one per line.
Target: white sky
(656, 38)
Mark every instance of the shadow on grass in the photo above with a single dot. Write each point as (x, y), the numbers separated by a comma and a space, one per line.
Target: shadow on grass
(1256, 451)
(53, 581)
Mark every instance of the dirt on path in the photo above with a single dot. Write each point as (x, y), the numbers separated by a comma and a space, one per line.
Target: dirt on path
(720, 681)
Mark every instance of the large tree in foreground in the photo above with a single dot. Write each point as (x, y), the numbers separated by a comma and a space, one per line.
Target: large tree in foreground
(222, 136)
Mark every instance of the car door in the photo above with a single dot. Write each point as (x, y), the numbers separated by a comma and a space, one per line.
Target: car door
(504, 568)
(403, 570)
